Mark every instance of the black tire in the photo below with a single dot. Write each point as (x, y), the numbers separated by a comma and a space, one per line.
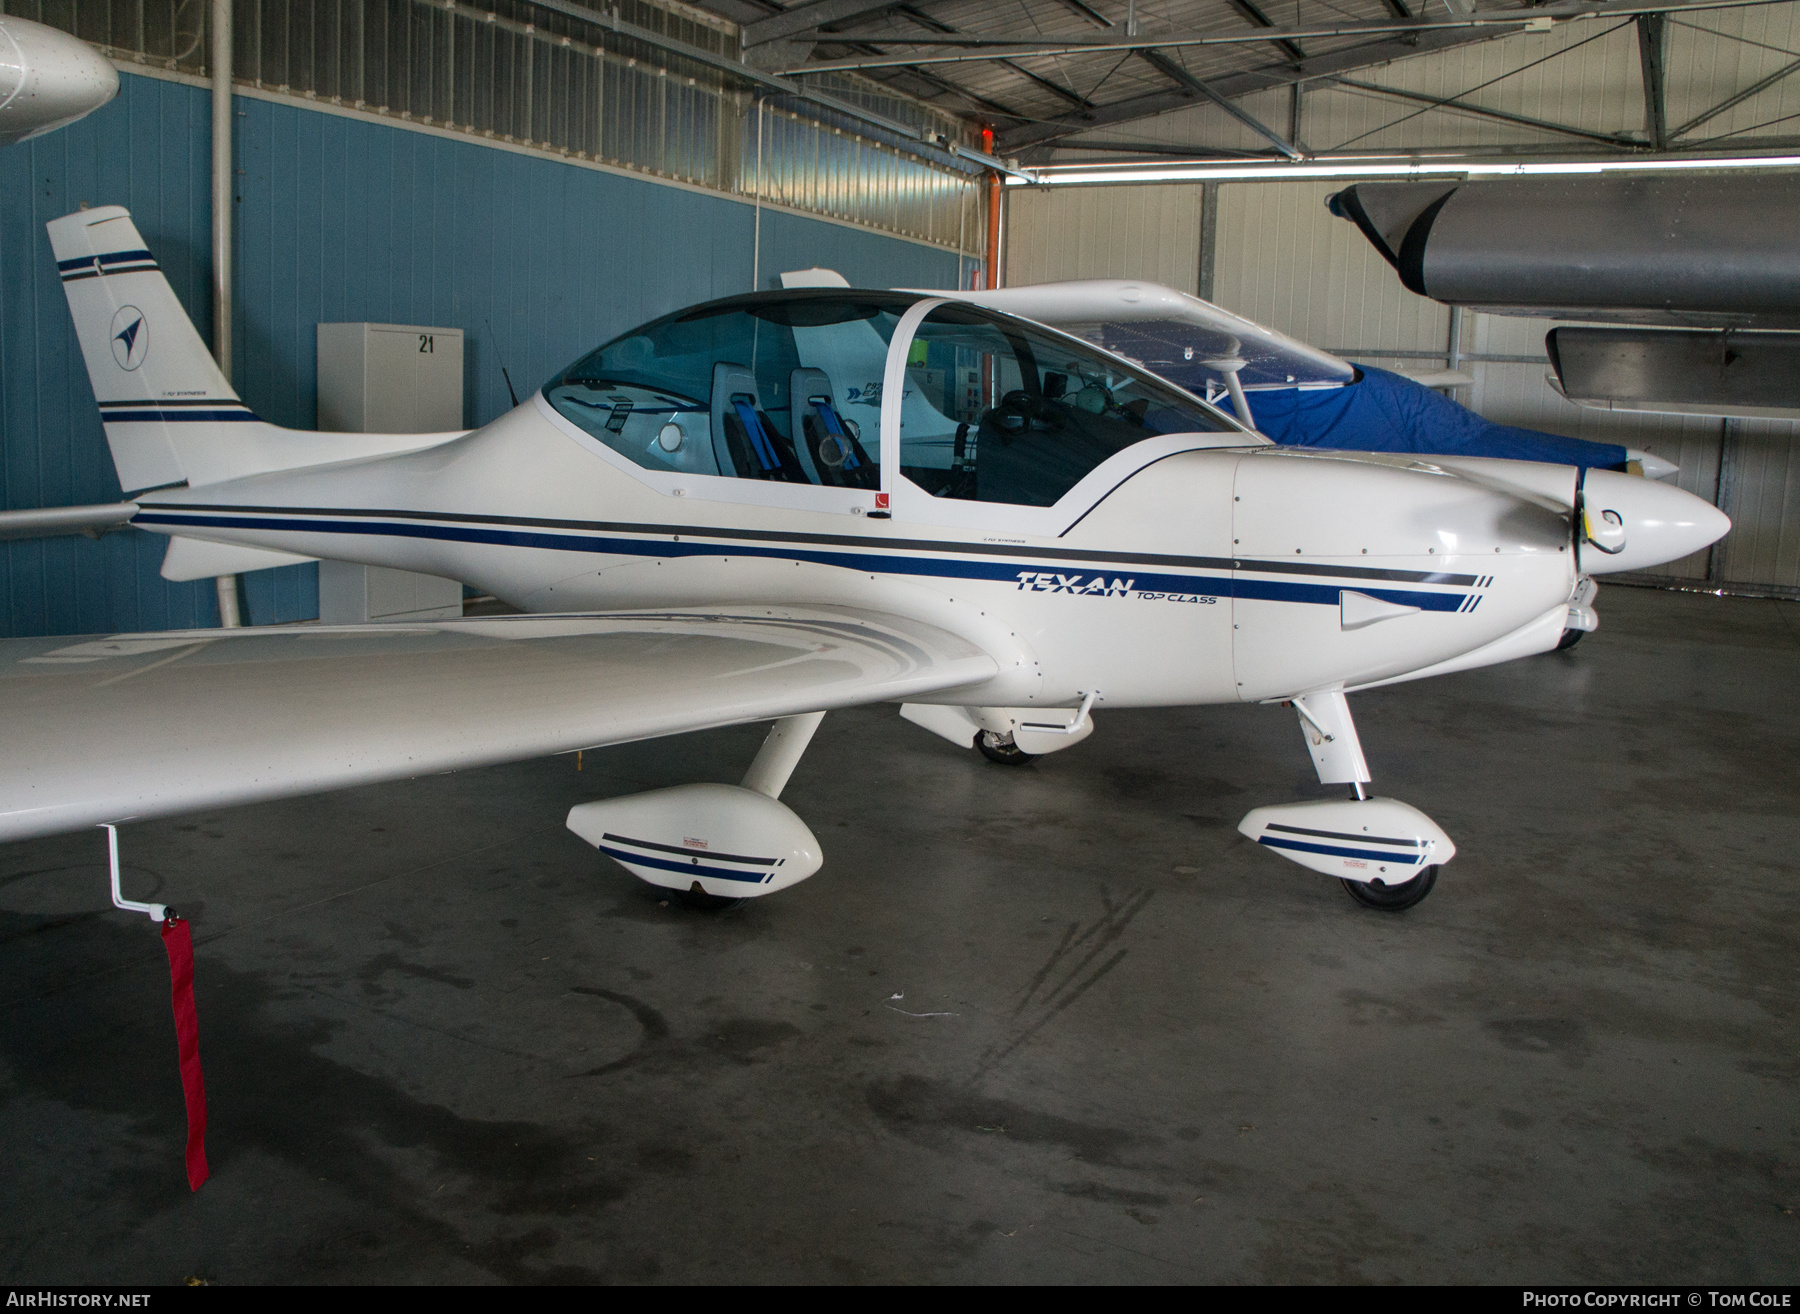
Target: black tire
(994, 749)
(1393, 898)
(700, 901)
(1569, 639)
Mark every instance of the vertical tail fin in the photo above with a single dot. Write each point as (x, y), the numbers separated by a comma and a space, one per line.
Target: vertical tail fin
(153, 377)
(170, 415)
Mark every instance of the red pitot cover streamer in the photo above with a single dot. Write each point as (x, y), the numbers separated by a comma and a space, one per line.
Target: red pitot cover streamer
(180, 944)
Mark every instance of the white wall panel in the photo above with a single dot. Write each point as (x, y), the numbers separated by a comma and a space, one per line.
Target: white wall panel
(1714, 54)
(1058, 233)
(1763, 500)
(1284, 261)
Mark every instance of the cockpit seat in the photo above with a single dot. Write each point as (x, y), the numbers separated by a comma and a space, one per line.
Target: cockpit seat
(745, 439)
(826, 440)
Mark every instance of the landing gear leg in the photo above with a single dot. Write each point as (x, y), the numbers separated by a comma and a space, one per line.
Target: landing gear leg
(1386, 853)
(780, 753)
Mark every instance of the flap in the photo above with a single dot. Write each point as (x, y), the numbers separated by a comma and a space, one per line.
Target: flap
(153, 725)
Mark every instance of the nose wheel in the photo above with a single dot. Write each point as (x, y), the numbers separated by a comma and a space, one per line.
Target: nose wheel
(1393, 898)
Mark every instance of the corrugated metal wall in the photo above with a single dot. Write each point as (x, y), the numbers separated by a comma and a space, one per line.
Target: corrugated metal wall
(1283, 260)
(1060, 233)
(514, 72)
(342, 218)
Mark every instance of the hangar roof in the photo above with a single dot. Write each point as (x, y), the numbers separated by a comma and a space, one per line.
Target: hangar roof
(1038, 72)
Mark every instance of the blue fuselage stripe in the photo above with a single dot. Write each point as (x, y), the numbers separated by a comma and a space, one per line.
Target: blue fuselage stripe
(1218, 586)
(1372, 855)
(701, 869)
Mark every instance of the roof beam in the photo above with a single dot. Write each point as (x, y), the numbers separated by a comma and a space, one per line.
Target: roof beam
(1153, 103)
(1463, 106)
(808, 18)
(962, 47)
(1179, 75)
(1732, 102)
(1173, 149)
(946, 87)
(1088, 12)
(1250, 11)
(1074, 98)
(1063, 93)
(1651, 49)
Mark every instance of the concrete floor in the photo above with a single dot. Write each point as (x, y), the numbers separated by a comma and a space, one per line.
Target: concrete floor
(445, 1041)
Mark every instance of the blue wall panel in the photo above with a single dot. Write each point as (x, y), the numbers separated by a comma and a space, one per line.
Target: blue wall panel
(339, 219)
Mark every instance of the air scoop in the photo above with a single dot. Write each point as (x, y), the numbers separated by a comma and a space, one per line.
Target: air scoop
(1630, 523)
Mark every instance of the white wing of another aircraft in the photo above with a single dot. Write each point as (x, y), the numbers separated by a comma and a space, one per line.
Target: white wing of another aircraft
(1192, 343)
(149, 725)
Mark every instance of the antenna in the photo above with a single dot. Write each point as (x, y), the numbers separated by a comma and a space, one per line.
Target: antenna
(510, 390)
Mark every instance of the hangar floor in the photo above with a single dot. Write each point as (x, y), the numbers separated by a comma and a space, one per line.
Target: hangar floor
(1057, 1023)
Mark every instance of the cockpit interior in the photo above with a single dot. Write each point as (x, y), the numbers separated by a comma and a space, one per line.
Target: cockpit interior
(787, 386)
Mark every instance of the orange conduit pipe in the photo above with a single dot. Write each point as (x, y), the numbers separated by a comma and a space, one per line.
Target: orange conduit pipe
(993, 239)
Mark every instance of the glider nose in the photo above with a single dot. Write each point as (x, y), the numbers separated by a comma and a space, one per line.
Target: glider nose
(48, 79)
(1628, 523)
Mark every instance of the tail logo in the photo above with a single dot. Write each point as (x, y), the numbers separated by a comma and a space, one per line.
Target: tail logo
(130, 337)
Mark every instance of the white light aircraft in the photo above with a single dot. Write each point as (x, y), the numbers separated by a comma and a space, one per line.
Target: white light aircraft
(48, 79)
(769, 507)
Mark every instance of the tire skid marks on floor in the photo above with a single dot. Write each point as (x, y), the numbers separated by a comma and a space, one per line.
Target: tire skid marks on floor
(1072, 966)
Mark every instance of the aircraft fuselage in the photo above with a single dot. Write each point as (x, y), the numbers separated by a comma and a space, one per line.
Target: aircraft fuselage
(1188, 573)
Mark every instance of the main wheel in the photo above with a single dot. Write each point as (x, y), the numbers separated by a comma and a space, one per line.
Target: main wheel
(1569, 639)
(1393, 898)
(700, 901)
(1003, 751)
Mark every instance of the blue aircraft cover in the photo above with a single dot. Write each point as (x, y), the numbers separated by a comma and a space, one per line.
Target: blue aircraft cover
(1387, 412)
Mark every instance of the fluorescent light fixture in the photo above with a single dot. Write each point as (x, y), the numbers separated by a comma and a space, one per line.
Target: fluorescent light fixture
(1055, 175)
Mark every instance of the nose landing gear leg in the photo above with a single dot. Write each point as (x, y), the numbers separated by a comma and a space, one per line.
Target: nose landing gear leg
(1386, 852)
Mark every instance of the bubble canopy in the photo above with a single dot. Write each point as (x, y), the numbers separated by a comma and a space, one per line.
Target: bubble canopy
(788, 386)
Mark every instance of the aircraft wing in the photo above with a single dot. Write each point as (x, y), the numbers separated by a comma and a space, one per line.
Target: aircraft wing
(1170, 333)
(149, 725)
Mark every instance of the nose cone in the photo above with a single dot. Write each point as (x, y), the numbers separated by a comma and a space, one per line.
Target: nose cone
(47, 79)
(1634, 524)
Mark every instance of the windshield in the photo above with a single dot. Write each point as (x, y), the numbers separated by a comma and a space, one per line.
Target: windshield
(781, 386)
